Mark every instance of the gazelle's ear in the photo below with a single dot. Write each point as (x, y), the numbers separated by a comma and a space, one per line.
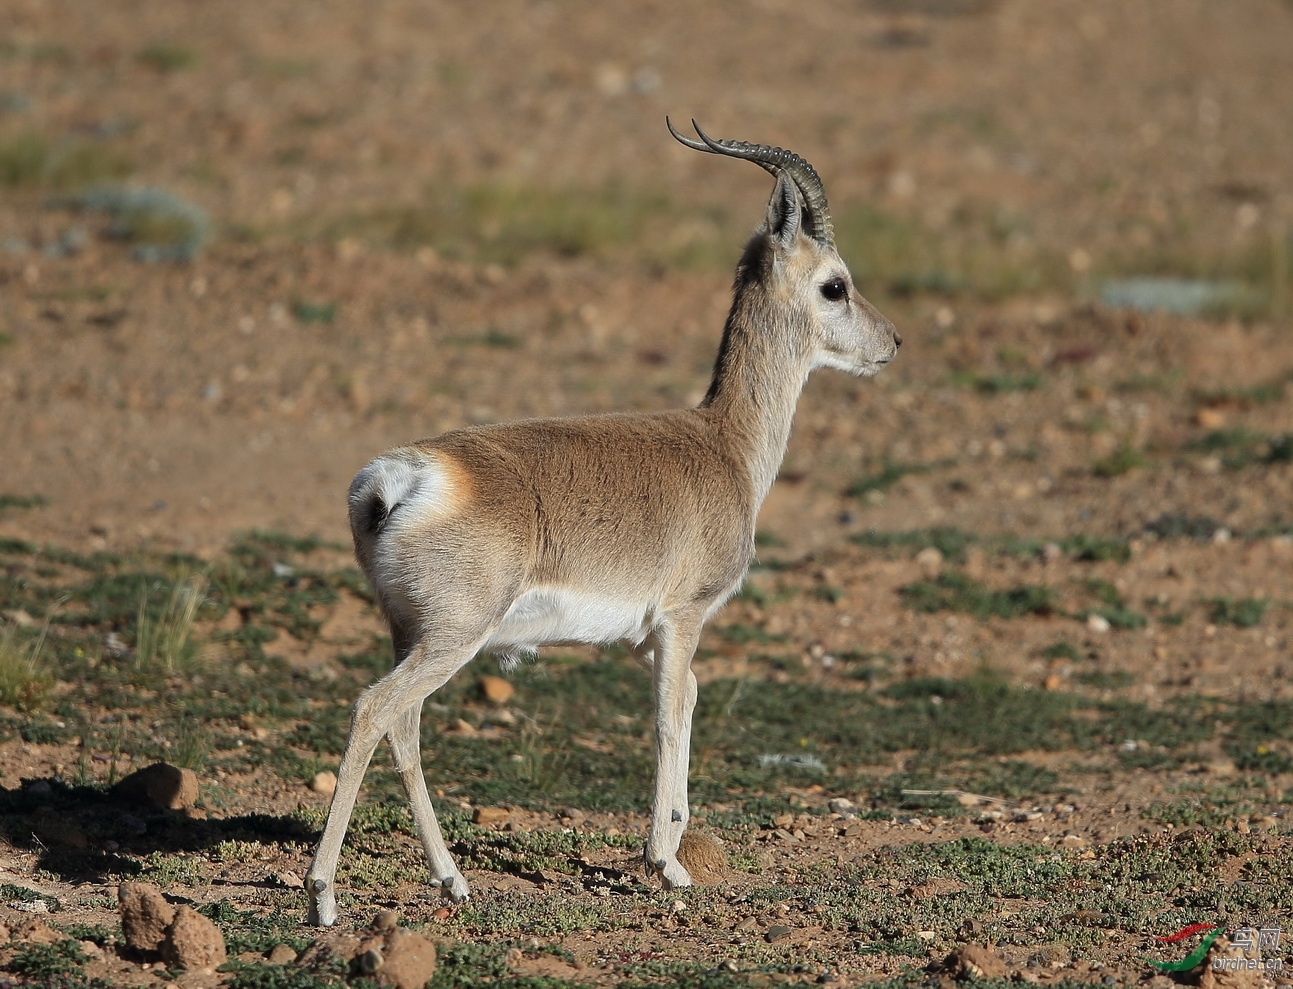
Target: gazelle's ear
(784, 213)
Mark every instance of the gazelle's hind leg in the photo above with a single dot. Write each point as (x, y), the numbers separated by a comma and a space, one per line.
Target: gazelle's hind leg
(406, 747)
(395, 700)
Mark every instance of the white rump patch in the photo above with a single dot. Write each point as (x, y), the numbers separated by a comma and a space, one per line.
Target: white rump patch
(411, 485)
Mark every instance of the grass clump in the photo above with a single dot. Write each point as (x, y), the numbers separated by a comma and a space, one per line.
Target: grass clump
(889, 474)
(948, 540)
(166, 642)
(331, 974)
(957, 591)
(167, 57)
(314, 312)
(1241, 447)
(22, 501)
(57, 965)
(1239, 612)
(1096, 549)
(1123, 460)
(30, 160)
(520, 852)
(998, 384)
(1062, 650)
(250, 930)
(24, 682)
(10, 892)
(953, 543)
(1112, 608)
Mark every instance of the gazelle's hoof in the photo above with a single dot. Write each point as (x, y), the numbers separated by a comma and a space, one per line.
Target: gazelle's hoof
(323, 904)
(674, 876)
(455, 888)
(670, 870)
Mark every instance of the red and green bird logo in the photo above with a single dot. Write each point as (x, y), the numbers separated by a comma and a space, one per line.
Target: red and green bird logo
(1195, 956)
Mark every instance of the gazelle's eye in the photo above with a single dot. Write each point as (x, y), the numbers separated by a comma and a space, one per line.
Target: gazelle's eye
(835, 289)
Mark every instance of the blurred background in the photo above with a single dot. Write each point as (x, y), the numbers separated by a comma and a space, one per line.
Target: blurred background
(246, 247)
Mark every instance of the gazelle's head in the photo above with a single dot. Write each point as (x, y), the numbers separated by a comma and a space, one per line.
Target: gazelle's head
(791, 268)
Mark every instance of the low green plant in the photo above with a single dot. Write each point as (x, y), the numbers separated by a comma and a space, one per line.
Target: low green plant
(956, 591)
(890, 473)
(22, 501)
(255, 930)
(314, 312)
(997, 384)
(11, 892)
(1122, 460)
(1239, 612)
(1112, 608)
(29, 159)
(1062, 650)
(167, 57)
(51, 964)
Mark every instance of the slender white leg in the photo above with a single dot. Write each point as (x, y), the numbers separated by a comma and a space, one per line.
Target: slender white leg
(397, 696)
(675, 697)
(406, 748)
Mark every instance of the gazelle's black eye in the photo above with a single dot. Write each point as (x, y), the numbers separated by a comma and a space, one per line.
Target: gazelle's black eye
(835, 289)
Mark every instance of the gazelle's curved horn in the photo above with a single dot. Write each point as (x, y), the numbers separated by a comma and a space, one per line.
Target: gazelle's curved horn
(779, 162)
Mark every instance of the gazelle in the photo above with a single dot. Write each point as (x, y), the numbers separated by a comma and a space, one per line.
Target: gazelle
(629, 528)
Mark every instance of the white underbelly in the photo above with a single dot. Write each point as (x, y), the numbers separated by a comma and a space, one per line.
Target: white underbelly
(557, 616)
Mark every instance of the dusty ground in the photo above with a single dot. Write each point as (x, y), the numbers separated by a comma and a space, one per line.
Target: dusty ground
(1032, 149)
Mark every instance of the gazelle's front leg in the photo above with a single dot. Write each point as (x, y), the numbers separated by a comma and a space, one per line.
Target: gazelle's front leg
(673, 646)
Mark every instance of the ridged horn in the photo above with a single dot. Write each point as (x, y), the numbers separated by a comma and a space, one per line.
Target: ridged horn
(777, 161)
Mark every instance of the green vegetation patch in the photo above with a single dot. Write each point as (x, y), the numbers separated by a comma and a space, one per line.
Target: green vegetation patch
(28, 159)
(255, 930)
(953, 544)
(998, 384)
(163, 57)
(1122, 460)
(504, 223)
(1112, 608)
(889, 474)
(956, 591)
(1241, 447)
(1239, 612)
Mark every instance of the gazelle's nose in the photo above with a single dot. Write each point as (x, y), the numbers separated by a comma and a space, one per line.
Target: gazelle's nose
(897, 338)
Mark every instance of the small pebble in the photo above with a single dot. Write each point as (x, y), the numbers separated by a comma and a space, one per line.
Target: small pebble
(324, 783)
(777, 932)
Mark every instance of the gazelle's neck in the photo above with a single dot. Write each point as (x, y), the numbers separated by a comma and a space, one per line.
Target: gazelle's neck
(758, 376)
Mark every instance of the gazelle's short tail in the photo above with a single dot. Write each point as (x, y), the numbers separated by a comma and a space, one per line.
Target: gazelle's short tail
(380, 489)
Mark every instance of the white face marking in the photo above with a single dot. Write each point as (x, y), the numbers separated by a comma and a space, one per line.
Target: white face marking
(851, 335)
(560, 616)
